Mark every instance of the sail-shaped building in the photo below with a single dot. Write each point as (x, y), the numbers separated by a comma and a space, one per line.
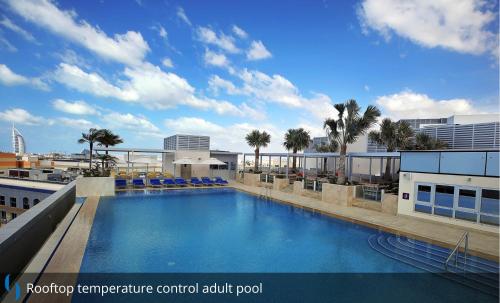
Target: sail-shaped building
(18, 144)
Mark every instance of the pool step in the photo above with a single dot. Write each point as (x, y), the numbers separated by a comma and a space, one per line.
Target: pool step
(476, 272)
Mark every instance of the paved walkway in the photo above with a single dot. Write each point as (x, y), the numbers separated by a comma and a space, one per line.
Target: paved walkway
(481, 243)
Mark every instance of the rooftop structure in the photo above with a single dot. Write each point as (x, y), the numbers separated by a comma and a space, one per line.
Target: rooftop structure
(187, 142)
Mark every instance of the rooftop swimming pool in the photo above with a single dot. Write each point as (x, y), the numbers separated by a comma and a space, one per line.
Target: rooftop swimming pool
(224, 230)
(228, 231)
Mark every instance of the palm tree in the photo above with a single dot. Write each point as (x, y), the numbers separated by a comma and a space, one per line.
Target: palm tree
(329, 147)
(91, 137)
(106, 160)
(108, 138)
(257, 139)
(394, 135)
(425, 142)
(296, 140)
(348, 127)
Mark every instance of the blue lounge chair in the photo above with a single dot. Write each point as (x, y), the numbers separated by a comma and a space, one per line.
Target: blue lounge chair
(195, 181)
(220, 181)
(155, 182)
(180, 182)
(120, 183)
(206, 181)
(169, 182)
(138, 183)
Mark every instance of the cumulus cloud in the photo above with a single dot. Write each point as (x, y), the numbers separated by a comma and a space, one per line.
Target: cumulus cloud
(129, 48)
(221, 40)
(239, 32)
(460, 25)
(258, 51)
(215, 59)
(182, 15)
(408, 104)
(21, 116)
(7, 23)
(10, 78)
(81, 124)
(129, 121)
(75, 108)
(167, 62)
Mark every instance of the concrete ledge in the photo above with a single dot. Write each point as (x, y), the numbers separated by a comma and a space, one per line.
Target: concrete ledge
(21, 238)
(95, 186)
(389, 204)
(279, 184)
(338, 194)
(251, 179)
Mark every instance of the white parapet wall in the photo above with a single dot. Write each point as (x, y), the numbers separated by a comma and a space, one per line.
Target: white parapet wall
(408, 182)
(95, 186)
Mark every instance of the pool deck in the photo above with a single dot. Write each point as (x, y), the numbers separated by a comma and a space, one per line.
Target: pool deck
(483, 244)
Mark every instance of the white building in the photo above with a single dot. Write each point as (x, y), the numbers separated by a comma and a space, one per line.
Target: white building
(18, 143)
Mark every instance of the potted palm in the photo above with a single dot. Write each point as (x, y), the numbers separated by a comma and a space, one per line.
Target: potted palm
(256, 139)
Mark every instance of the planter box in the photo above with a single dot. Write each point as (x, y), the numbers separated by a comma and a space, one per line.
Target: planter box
(338, 194)
(95, 186)
(389, 203)
(279, 184)
(251, 179)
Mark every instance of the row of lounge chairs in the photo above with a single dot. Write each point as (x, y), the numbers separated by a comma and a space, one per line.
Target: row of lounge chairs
(171, 182)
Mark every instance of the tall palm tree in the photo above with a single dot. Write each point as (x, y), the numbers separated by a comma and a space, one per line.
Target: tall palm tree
(108, 138)
(91, 137)
(105, 161)
(257, 139)
(348, 126)
(394, 135)
(330, 147)
(296, 140)
(425, 142)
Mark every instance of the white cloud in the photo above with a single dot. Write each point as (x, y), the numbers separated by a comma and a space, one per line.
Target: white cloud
(215, 59)
(76, 107)
(162, 32)
(147, 85)
(81, 124)
(10, 78)
(407, 105)
(167, 62)
(7, 23)
(5, 44)
(366, 88)
(216, 83)
(258, 51)
(456, 25)
(182, 15)
(238, 31)
(129, 48)
(230, 137)
(71, 57)
(20, 116)
(129, 121)
(74, 77)
(225, 42)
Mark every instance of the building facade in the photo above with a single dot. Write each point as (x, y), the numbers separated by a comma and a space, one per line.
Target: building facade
(18, 143)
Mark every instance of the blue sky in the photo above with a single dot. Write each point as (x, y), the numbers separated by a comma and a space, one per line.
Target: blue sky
(147, 69)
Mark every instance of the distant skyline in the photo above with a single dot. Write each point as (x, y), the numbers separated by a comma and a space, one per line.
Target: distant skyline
(150, 69)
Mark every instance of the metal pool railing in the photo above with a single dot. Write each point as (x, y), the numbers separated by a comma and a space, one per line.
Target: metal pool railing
(455, 251)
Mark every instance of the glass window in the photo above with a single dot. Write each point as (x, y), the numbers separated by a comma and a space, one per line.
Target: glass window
(489, 201)
(36, 201)
(424, 193)
(444, 195)
(489, 219)
(443, 212)
(2, 200)
(466, 215)
(423, 208)
(467, 198)
(14, 215)
(3, 214)
(13, 202)
(26, 203)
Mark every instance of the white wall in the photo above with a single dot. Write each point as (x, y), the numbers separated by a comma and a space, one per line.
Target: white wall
(407, 185)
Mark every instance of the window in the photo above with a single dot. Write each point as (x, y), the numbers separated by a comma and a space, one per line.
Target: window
(424, 193)
(36, 201)
(3, 214)
(489, 206)
(13, 202)
(13, 216)
(444, 195)
(26, 203)
(467, 198)
(2, 200)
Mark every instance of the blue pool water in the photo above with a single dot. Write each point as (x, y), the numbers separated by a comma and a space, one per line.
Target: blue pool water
(225, 231)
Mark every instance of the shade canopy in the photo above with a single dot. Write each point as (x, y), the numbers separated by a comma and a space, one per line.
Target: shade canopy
(212, 161)
(185, 161)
